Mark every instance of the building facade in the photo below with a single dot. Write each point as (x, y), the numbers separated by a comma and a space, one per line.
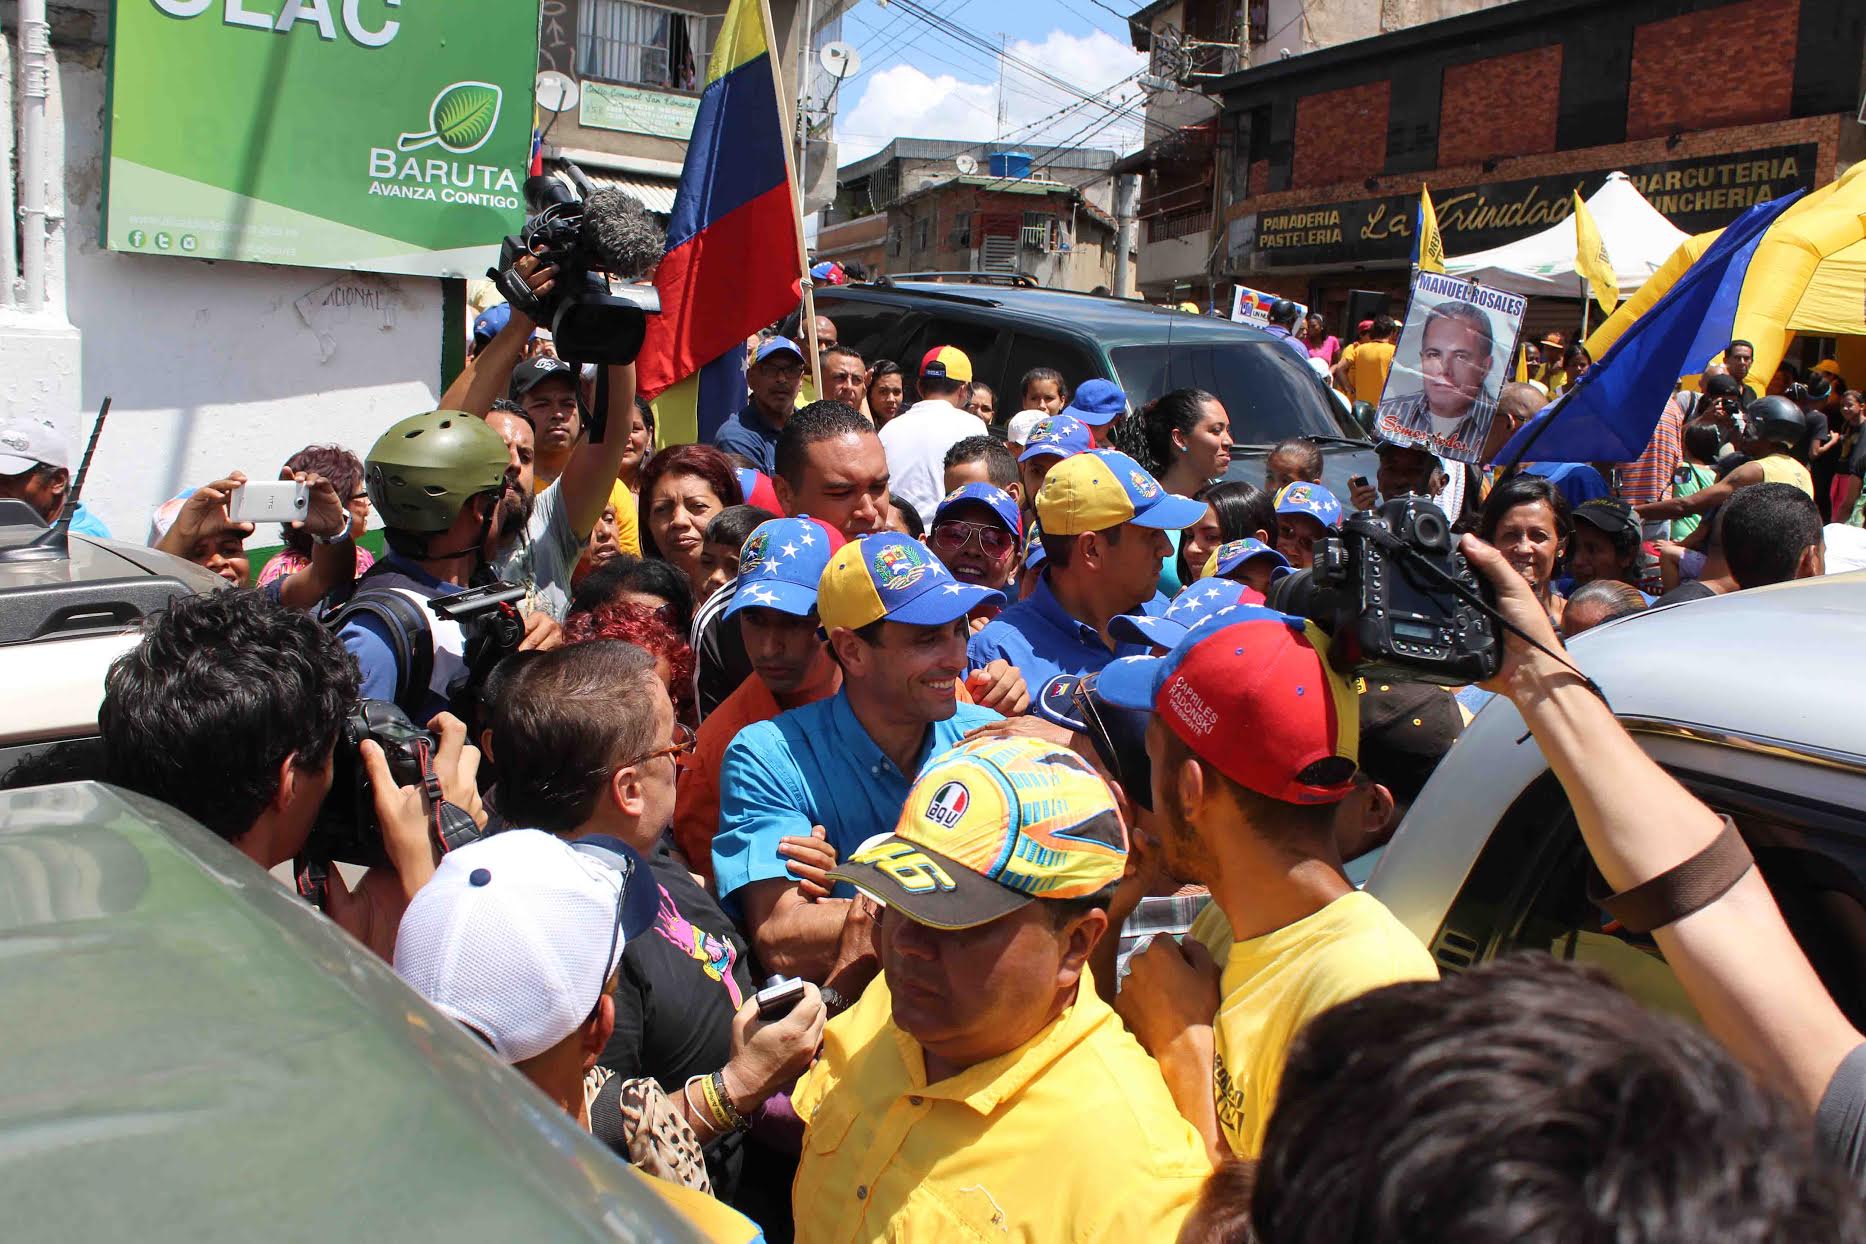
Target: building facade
(1709, 106)
(914, 207)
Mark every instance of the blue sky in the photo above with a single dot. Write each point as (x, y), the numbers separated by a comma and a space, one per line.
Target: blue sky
(921, 83)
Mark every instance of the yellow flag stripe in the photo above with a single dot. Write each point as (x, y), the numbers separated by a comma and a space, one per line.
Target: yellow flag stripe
(1590, 258)
(741, 38)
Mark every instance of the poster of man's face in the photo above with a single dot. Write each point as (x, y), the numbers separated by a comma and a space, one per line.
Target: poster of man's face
(1449, 366)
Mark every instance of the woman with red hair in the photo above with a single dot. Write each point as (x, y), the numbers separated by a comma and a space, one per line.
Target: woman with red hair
(637, 624)
(682, 487)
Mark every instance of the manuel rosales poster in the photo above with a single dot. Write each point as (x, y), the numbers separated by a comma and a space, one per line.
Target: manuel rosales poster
(366, 134)
(1450, 364)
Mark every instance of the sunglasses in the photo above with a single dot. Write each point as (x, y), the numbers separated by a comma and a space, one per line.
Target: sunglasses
(951, 535)
(684, 739)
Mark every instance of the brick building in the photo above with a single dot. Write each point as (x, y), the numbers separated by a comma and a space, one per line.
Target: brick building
(913, 207)
(1708, 105)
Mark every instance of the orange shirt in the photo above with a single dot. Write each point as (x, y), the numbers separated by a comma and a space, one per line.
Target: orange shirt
(696, 797)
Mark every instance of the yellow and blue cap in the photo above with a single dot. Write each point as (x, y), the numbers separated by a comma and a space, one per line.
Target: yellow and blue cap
(1105, 488)
(987, 828)
(1228, 556)
(888, 576)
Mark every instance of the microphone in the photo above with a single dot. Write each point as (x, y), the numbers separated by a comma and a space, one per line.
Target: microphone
(618, 230)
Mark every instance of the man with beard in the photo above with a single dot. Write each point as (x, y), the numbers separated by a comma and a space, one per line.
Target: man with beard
(455, 496)
(1253, 743)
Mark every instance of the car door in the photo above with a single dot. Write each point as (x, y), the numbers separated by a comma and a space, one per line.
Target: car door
(1529, 887)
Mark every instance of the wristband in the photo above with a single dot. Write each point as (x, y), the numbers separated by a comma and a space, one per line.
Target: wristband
(716, 1105)
(342, 537)
(833, 1001)
(1685, 888)
(716, 1091)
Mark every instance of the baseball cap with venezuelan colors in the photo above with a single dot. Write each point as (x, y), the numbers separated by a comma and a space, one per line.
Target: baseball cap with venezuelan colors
(1251, 692)
(893, 577)
(946, 363)
(1105, 488)
(780, 565)
(990, 826)
(1314, 500)
(1057, 436)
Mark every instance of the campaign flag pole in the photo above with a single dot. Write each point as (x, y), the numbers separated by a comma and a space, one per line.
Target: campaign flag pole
(1609, 413)
(1592, 264)
(794, 172)
(1428, 252)
(729, 268)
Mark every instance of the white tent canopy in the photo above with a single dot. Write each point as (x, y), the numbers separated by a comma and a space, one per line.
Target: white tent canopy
(1637, 237)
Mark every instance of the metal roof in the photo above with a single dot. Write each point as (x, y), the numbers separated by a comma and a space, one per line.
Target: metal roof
(947, 148)
(654, 193)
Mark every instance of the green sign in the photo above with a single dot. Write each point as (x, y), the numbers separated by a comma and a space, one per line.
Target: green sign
(636, 111)
(383, 135)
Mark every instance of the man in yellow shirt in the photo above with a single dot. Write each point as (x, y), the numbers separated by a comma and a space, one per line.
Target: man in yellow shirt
(1253, 743)
(981, 1089)
(1362, 370)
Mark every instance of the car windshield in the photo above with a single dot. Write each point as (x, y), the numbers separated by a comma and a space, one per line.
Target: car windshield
(1266, 398)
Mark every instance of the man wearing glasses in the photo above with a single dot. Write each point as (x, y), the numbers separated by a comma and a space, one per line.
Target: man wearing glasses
(975, 533)
(589, 751)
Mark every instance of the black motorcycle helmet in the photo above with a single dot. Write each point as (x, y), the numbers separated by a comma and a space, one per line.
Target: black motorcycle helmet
(1777, 420)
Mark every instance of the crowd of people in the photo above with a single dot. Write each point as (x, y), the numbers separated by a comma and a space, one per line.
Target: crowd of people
(967, 709)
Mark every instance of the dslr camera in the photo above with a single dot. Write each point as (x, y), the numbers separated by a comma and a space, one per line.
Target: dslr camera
(1382, 591)
(588, 234)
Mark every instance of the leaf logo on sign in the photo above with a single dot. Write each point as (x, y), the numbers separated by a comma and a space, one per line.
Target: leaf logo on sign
(460, 119)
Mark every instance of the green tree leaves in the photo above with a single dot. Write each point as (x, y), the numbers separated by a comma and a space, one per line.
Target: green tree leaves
(461, 118)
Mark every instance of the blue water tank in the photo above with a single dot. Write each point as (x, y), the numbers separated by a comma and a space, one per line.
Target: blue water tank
(1009, 163)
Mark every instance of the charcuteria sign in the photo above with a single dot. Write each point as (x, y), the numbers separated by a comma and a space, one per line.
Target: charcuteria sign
(384, 135)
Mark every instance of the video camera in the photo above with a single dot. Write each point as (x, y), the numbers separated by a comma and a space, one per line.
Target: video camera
(588, 234)
(1383, 590)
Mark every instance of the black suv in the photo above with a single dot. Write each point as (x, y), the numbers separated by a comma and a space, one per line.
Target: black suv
(1007, 329)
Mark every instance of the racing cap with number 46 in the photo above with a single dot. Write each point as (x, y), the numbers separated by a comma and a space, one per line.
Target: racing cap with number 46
(989, 827)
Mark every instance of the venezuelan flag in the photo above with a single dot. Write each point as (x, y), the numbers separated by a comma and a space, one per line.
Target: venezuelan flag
(734, 245)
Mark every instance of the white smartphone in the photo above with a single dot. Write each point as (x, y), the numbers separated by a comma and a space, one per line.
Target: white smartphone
(269, 501)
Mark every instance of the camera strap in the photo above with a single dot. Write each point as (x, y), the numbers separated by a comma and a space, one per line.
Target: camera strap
(451, 825)
(1404, 551)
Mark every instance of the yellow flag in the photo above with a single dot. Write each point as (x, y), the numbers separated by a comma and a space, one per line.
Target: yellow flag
(1522, 364)
(1590, 258)
(1430, 252)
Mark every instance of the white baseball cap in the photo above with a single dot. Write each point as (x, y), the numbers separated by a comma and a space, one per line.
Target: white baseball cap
(27, 441)
(1018, 432)
(517, 935)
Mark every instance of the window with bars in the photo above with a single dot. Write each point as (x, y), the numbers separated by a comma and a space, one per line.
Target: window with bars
(644, 44)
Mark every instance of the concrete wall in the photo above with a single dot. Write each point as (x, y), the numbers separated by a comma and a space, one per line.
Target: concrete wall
(214, 366)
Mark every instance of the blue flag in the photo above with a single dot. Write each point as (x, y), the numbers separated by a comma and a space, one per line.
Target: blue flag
(1609, 414)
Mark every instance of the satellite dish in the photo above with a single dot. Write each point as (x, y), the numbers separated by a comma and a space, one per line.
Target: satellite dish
(967, 165)
(557, 92)
(840, 59)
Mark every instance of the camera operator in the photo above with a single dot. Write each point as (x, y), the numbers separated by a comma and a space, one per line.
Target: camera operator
(1722, 931)
(229, 710)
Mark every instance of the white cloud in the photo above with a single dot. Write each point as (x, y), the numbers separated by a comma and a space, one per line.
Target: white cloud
(905, 100)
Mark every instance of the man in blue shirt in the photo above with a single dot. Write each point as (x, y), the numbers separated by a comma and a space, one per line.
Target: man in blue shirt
(896, 622)
(773, 378)
(1282, 326)
(1104, 522)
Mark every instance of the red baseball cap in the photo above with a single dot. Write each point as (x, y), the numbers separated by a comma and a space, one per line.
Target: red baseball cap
(1251, 692)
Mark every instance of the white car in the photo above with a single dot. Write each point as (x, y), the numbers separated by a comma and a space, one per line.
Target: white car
(1755, 701)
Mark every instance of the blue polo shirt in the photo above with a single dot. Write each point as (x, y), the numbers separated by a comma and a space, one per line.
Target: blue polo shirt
(813, 765)
(1042, 640)
(747, 433)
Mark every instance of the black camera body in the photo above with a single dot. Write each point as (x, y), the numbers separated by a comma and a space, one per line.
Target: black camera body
(1381, 590)
(590, 320)
(347, 828)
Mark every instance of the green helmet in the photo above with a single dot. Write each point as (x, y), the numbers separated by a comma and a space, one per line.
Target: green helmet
(425, 469)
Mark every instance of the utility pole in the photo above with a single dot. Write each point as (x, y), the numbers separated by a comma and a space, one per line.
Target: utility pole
(1001, 50)
(1126, 191)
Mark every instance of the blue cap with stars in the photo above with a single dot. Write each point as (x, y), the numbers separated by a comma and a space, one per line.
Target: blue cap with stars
(780, 565)
(1228, 556)
(1193, 605)
(1059, 436)
(996, 498)
(1314, 500)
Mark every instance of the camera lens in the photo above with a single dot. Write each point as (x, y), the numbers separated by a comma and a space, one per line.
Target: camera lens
(1429, 530)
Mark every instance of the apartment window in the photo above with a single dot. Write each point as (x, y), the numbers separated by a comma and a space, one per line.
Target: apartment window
(645, 44)
(923, 232)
